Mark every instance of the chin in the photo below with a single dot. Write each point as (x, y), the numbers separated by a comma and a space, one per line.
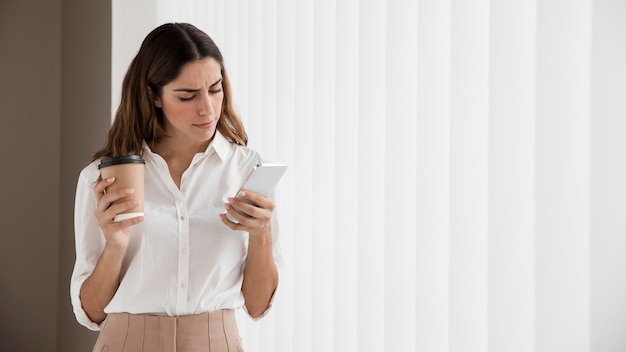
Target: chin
(206, 135)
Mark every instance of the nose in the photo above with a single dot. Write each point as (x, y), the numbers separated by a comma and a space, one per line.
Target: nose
(205, 105)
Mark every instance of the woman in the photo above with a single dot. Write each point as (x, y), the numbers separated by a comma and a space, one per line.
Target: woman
(171, 281)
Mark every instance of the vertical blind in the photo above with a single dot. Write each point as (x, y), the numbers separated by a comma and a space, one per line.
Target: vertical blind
(457, 169)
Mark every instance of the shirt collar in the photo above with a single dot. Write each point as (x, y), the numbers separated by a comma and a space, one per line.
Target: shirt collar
(219, 144)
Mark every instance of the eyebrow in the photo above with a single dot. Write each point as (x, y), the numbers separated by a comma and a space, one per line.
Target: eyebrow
(191, 90)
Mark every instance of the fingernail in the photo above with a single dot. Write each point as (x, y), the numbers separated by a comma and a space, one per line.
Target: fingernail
(129, 191)
(136, 202)
(242, 194)
(110, 179)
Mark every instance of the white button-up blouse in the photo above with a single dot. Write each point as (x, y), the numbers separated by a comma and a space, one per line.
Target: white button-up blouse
(181, 259)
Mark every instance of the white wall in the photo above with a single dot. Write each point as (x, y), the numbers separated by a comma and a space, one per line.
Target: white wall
(607, 206)
(456, 168)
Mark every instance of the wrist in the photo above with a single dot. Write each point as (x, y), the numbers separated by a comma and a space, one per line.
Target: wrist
(262, 237)
(115, 247)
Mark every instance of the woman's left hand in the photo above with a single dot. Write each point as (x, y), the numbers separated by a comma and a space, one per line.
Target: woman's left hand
(258, 216)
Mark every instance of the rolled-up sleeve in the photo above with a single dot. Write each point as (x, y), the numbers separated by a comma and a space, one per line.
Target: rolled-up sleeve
(89, 241)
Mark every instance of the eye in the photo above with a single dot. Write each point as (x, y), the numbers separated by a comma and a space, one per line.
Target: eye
(187, 98)
(215, 91)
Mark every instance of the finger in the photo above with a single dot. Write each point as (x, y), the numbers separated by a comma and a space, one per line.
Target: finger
(115, 226)
(120, 208)
(252, 211)
(240, 225)
(230, 224)
(129, 222)
(248, 210)
(247, 223)
(245, 199)
(235, 213)
(109, 214)
(107, 199)
(98, 190)
(257, 199)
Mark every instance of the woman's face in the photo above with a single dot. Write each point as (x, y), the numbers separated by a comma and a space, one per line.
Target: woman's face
(192, 102)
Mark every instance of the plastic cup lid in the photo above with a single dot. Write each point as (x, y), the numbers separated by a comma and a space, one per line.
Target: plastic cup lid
(116, 160)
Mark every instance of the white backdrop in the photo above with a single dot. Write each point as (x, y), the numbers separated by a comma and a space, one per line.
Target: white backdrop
(457, 175)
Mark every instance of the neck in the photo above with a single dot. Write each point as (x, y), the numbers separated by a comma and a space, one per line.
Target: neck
(178, 156)
(172, 148)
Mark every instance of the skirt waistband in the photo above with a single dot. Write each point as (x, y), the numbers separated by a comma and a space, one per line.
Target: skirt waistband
(214, 331)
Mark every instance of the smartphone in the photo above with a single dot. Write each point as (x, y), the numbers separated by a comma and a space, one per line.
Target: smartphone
(262, 179)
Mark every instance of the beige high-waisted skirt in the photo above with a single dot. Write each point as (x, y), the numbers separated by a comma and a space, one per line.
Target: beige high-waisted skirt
(213, 331)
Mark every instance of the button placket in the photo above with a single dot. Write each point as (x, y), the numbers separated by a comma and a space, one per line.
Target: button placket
(183, 258)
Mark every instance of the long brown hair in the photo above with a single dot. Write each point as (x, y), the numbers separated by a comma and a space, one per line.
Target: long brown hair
(163, 53)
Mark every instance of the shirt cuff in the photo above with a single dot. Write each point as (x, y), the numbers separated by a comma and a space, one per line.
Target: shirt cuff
(269, 306)
(80, 314)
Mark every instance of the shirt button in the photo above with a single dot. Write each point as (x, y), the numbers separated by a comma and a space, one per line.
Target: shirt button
(184, 251)
(183, 285)
(182, 217)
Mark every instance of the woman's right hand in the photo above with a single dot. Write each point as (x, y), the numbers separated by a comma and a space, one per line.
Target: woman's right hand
(117, 234)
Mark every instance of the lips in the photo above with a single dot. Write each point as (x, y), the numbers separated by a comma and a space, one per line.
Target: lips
(205, 125)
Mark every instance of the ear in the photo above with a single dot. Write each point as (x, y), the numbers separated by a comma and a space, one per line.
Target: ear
(156, 100)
